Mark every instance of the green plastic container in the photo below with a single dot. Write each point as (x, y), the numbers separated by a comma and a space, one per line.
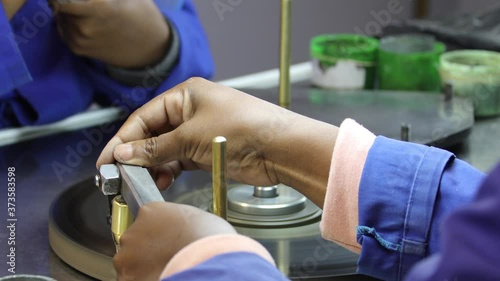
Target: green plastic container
(344, 61)
(409, 63)
(474, 74)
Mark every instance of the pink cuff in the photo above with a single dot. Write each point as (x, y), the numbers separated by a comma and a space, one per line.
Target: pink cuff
(206, 248)
(340, 210)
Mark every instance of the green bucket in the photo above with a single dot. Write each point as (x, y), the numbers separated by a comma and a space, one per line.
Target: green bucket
(474, 74)
(409, 63)
(344, 61)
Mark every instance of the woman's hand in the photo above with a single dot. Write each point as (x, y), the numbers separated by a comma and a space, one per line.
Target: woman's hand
(266, 144)
(160, 230)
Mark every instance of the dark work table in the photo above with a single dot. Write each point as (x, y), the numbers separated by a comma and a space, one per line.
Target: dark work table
(47, 166)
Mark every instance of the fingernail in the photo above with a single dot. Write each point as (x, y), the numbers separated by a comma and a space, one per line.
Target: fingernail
(124, 152)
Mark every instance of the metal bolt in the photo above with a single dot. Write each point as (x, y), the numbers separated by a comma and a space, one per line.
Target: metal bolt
(405, 132)
(109, 179)
(448, 92)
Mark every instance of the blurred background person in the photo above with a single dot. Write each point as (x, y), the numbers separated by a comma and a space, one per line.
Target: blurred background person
(57, 57)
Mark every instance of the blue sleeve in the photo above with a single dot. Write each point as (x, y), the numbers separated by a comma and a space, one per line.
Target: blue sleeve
(13, 69)
(404, 192)
(194, 60)
(55, 86)
(239, 266)
(470, 247)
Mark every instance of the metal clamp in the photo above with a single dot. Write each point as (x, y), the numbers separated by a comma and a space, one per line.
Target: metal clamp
(128, 188)
(134, 183)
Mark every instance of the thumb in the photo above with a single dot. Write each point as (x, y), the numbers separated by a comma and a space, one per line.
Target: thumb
(150, 152)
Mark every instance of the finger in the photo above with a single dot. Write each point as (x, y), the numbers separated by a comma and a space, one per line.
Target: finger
(152, 151)
(73, 7)
(75, 33)
(162, 113)
(164, 175)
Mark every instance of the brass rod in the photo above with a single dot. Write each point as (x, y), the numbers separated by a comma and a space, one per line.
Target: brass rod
(285, 51)
(219, 181)
(121, 219)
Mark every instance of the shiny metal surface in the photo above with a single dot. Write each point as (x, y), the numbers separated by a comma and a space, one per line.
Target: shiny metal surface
(108, 179)
(202, 197)
(127, 189)
(219, 180)
(265, 191)
(288, 201)
(121, 219)
(137, 187)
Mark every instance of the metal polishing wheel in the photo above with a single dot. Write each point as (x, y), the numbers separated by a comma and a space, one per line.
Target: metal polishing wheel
(26, 277)
(280, 218)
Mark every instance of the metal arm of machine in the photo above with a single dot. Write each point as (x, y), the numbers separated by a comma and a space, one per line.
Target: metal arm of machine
(134, 183)
(128, 188)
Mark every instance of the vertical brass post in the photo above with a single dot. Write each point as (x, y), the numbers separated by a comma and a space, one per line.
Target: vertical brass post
(219, 181)
(285, 51)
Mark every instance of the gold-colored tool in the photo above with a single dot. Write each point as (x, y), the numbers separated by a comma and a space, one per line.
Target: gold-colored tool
(285, 51)
(121, 219)
(219, 180)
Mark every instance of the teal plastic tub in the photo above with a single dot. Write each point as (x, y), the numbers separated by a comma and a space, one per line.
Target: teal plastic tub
(474, 74)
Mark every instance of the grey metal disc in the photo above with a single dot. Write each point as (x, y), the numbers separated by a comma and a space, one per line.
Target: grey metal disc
(310, 214)
(241, 199)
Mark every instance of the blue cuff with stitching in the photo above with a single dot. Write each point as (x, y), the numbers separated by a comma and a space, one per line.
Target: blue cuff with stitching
(397, 196)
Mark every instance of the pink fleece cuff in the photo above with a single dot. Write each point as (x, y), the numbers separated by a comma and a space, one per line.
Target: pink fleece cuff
(206, 248)
(340, 210)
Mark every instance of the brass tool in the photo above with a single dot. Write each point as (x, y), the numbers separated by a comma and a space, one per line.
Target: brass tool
(285, 51)
(219, 180)
(128, 188)
(121, 219)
